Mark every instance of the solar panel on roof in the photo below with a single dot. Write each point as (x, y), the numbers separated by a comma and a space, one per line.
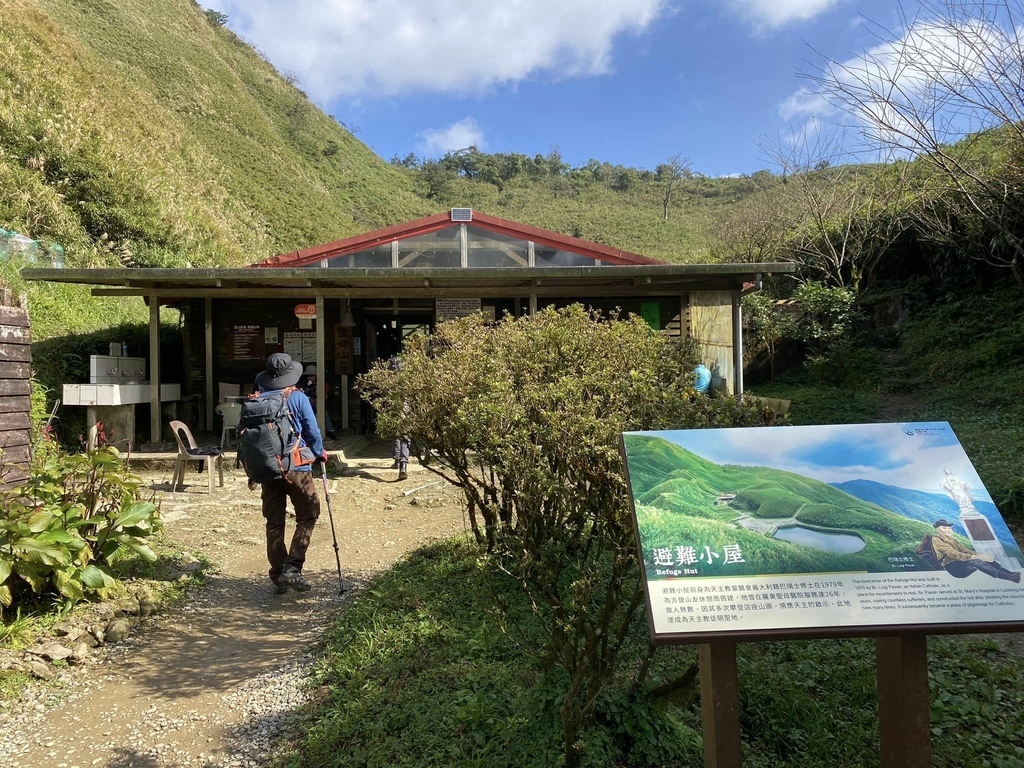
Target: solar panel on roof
(462, 214)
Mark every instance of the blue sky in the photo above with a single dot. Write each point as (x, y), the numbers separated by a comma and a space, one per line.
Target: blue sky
(629, 82)
(912, 455)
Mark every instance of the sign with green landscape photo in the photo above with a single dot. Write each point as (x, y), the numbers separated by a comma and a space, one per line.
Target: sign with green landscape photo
(807, 528)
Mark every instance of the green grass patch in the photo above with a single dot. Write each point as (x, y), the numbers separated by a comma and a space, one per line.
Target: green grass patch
(821, 404)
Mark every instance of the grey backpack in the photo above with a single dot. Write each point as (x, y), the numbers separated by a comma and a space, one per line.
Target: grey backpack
(268, 445)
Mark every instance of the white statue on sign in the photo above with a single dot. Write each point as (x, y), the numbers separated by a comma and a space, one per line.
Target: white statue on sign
(957, 490)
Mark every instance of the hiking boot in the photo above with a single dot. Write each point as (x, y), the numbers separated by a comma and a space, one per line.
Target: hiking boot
(280, 588)
(403, 471)
(294, 579)
(394, 464)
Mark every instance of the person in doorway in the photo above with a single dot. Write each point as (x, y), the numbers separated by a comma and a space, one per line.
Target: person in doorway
(308, 386)
(400, 445)
(954, 556)
(286, 563)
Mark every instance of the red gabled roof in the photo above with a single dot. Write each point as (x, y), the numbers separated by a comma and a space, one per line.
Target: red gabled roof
(441, 220)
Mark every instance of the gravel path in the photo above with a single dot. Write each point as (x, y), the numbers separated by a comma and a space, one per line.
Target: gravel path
(214, 683)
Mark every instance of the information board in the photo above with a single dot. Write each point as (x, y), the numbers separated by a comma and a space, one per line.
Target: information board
(308, 347)
(293, 344)
(450, 309)
(246, 342)
(804, 529)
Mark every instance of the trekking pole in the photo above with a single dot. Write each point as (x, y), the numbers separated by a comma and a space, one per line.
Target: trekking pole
(334, 536)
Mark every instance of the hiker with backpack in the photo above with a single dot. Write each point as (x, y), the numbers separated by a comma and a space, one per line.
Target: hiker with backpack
(279, 441)
(961, 561)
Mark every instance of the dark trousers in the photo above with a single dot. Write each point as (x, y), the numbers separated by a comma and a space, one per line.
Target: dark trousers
(300, 488)
(995, 570)
(400, 449)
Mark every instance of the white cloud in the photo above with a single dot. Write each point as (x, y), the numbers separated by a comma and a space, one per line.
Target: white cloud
(772, 14)
(386, 47)
(934, 75)
(465, 133)
(803, 104)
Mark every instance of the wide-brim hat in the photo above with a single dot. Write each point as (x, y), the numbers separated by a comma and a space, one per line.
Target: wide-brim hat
(940, 523)
(281, 372)
(311, 370)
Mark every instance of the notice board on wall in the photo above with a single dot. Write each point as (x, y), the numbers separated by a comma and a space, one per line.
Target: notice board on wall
(246, 342)
(814, 530)
(293, 344)
(451, 309)
(343, 350)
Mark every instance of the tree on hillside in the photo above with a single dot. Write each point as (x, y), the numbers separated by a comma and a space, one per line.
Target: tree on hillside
(752, 229)
(840, 217)
(438, 179)
(216, 18)
(935, 90)
(670, 173)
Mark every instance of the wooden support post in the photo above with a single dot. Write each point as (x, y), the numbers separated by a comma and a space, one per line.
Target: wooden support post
(720, 704)
(91, 430)
(321, 366)
(154, 369)
(737, 343)
(208, 367)
(345, 308)
(904, 706)
(344, 402)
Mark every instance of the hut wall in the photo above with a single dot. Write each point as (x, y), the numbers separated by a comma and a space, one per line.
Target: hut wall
(711, 326)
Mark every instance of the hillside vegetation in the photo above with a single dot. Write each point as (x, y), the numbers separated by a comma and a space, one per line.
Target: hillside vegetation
(671, 213)
(147, 131)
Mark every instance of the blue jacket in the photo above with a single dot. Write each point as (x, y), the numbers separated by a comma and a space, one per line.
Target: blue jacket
(304, 423)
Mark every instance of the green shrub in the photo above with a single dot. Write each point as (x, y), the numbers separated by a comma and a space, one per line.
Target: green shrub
(76, 516)
(525, 417)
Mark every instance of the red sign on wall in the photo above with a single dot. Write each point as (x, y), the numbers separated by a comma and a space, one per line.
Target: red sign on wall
(305, 310)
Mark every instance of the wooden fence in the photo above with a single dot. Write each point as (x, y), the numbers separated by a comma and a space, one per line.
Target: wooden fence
(15, 387)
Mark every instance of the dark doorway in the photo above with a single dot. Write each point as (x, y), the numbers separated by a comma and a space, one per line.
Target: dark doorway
(387, 336)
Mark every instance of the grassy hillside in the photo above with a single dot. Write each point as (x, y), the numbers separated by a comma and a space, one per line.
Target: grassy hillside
(140, 133)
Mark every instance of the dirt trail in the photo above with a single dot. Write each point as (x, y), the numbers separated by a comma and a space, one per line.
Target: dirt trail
(211, 683)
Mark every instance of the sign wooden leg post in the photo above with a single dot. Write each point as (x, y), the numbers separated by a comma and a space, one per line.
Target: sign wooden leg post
(720, 705)
(904, 707)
